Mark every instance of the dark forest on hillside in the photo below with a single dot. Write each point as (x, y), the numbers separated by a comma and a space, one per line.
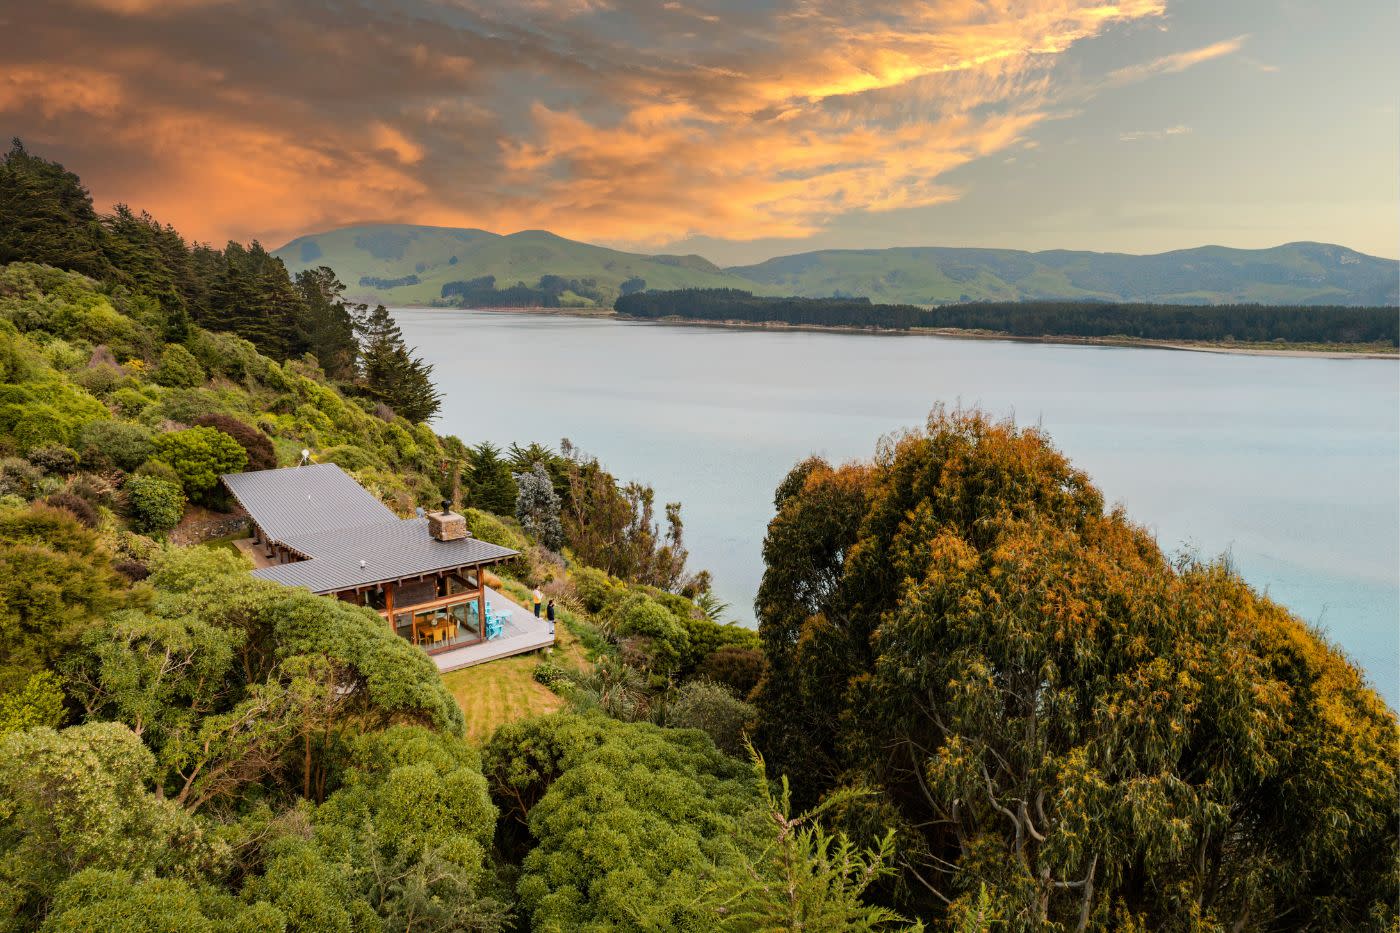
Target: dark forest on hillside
(481, 292)
(1246, 323)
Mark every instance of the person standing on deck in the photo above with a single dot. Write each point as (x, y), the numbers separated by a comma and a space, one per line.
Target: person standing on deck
(539, 599)
(549, 613)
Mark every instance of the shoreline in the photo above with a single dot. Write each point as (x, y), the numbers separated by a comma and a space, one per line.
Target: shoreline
(1246, 349)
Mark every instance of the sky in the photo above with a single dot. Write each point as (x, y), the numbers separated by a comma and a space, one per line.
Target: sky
(737, 130)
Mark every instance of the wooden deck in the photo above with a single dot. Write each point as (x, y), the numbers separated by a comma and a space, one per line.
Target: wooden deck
(520, 634)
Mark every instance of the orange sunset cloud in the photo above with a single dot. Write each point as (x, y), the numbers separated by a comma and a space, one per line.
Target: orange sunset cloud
(604, 120)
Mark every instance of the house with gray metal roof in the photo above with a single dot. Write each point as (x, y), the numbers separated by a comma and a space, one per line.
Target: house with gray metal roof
(314, 527)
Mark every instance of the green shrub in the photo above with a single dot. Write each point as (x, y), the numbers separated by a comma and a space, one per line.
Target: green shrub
(199, 456)
(737, 668)
(63, 355)
(550, 674)
(121, 444)
(658, 636)
(351, 458)
(256, 444)
(41, 426)
(56, 459)
(714, 710)
(68, 305)
(596, 590)
(186, 405)
(46, 411)
(227, 355)
(80, 508)
(18, 477)
(178, 369)
(155, 505)
(160, 470)
(101, 380)
(492, 530)
(131, 401)
(18, 356)
(708, 637)
(39, 703)
(629, 821)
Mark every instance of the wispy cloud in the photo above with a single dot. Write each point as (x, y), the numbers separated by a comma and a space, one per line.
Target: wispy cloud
(1179, 61)
(611, 119)
(1133, 136)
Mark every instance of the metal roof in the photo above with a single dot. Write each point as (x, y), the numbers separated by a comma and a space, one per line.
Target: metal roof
(390, 552)
(336, 524)
(303, 500)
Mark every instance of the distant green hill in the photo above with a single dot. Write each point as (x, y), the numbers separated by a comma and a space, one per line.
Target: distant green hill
(409, 265)
(1294, 274)
(436, 256)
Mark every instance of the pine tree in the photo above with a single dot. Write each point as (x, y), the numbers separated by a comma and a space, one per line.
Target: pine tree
(46, 216)
(151, 260)
(328, 329)
(490, 484)
(392, 374)
(254, 298)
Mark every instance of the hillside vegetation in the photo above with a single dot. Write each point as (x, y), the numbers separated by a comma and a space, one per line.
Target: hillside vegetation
(408, 265)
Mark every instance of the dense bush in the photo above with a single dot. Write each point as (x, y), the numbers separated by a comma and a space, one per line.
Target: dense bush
(738, 668)
(55, 581)
(199, 456)
(38, 704)
(493, 530)
(75, 505)
(630, 820)
(55, 459)
(160, 470)
(654, 632)
(713, 709)
(19, 477)
(45, 412)
(596, 590)
(256, 444)
(108, 443)
(350, 458)
(184, 406)
(178, 369)
(155, 505)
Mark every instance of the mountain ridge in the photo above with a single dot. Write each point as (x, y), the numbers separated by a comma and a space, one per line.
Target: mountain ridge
(409, 264)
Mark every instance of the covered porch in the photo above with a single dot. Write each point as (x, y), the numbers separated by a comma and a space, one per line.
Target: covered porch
(520, 633)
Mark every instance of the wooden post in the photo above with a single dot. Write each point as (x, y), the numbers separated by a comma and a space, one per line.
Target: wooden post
(480, 603)
(389, 607)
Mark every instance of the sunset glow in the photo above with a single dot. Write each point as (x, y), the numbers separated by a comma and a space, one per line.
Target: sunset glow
(637, 123)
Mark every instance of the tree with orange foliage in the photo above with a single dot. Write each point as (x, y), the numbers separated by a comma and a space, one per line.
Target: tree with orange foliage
(1046, 707)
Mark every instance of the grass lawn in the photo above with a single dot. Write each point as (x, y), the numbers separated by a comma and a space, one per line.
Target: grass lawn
(503, 691)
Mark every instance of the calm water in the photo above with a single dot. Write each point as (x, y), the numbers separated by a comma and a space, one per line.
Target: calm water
(1292, 466)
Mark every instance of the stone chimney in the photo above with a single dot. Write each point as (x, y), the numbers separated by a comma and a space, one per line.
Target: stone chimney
(447, 525)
